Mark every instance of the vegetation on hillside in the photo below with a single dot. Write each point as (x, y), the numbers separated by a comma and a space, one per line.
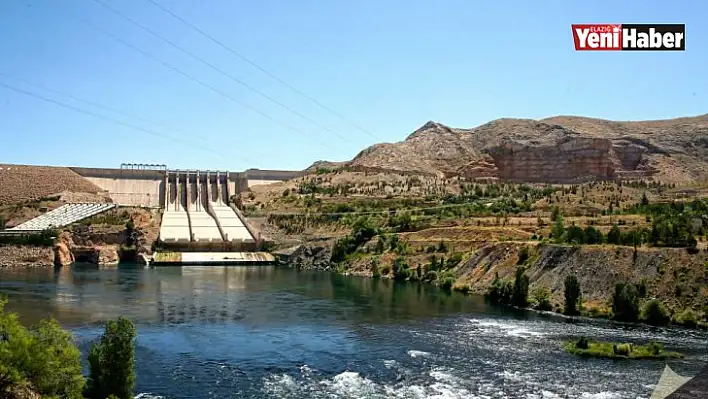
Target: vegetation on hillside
(40, 238)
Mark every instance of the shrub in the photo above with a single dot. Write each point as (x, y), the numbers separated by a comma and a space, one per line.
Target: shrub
(446, 283)
(557, 231)
(593, 235)
(622, 349)
(431, 276)
(614, 236)
(380, 245)
(112, 361)
(464, 288)
(442, 247)
(375, 273)
(572, 294)
(500, 292)
(642, 289)
(687, 318)
(521, 288)
(625, 302)
(582, 343)
(454, 260)
(542, 297)
(401, 271)
(523, 255)
(655, 313)
(393, 242)
(43, 358)
(42, 238)
(655, 348)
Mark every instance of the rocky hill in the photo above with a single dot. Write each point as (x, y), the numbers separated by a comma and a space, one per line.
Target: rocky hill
(561, 149)
(23, 182)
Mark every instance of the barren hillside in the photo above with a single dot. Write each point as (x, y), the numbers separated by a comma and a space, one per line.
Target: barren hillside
(562, 149)
(23, 182)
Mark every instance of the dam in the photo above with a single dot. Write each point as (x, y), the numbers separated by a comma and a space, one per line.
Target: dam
(197, 210)
(200, 224)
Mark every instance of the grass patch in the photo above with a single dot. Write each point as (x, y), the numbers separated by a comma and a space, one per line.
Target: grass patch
(616, 350)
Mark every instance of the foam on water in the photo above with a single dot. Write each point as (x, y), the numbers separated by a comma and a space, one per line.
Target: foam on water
(389, 364)
(508, 327)
(439, 382)
(415, 353)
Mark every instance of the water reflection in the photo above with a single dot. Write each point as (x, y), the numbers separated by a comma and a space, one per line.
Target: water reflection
(279, 332)
(88, 294)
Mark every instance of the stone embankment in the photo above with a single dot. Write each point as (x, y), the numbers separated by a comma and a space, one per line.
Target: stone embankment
(25, 256)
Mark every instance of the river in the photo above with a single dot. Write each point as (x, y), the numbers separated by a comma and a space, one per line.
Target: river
(267, 331)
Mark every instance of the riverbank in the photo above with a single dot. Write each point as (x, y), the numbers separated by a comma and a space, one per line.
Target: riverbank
(268, 331)
(674, 276)
(119, 235)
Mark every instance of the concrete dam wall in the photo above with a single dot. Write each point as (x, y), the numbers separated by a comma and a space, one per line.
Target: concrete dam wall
(197, 212)
(144, 188)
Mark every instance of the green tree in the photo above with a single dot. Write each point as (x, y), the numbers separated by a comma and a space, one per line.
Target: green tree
(593, 235)
(380, 245)
(523, 255)
(542, 297)
(130, 232)
(500, 292)
(520, 297)
(625, 302)
(572, 294)
(112, 361)
(575, 235)
(43, 359)
(401, 271)
(558, 230)
(645, 200)
(614, 236)
(375, 273)
(401, 223)
(655, 313)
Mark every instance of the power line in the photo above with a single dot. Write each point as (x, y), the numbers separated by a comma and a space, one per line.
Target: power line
(221, 71)
(101, 106)
(196, 80)
(109, 119)
(265, 71)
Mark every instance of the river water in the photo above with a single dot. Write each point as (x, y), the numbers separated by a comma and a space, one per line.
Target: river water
(266, 331)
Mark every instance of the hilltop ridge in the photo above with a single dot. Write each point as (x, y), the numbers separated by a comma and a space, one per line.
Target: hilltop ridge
(559, 149)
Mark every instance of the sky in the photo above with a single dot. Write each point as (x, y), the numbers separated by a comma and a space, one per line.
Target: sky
(377, 70)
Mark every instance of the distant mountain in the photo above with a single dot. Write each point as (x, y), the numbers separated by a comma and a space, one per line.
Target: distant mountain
(561, 149)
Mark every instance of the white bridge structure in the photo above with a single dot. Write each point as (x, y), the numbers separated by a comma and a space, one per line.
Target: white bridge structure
(63, 216)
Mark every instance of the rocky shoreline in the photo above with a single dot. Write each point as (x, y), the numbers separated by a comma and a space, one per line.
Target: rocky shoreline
(25, 256)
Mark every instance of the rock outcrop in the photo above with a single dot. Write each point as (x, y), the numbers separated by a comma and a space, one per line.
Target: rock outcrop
(308, 256)
(107, 255)
(63, 255)
(554, 150)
